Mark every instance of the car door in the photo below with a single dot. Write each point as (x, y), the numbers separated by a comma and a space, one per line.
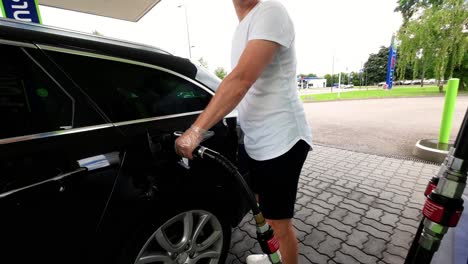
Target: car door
(148, 104)
(58, 162)
(144, 100)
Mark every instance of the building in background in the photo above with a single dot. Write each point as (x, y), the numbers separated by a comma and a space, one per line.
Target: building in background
(311, 82)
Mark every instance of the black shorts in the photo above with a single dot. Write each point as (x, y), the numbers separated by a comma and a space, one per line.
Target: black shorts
(275, 181)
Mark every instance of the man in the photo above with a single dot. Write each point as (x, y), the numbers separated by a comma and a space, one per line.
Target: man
(277, 137)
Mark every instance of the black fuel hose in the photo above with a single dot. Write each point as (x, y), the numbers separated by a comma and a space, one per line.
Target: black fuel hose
(203, 152)
(265, 234)
(461, 143)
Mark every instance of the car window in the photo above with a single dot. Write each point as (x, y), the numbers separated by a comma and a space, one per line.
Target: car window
(127, 92)
(30, 102)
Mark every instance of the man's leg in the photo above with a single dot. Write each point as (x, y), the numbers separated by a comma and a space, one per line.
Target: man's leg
(286, 235)
(275, 181)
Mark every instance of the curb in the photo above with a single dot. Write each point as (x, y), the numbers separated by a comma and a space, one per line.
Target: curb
(373, 98)
(408, 158)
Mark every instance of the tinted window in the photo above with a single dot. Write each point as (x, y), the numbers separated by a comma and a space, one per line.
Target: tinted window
(30, 102)
(127, 92)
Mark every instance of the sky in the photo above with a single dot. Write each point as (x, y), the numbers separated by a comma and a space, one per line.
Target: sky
(346, 30)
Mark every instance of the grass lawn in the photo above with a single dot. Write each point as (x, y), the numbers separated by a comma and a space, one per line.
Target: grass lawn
(364, 94)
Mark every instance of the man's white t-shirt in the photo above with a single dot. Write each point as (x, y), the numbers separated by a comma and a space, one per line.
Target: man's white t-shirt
(271, 114)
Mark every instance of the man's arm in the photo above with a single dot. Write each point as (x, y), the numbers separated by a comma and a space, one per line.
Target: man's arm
(257, 55)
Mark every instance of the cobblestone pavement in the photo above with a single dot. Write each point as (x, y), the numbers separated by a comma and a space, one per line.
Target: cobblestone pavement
(351, 208)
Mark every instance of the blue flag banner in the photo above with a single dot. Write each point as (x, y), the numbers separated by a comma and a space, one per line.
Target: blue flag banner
(23, 10)
(391, 63)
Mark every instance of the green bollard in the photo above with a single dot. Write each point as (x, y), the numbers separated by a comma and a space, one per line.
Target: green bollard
(449, 109)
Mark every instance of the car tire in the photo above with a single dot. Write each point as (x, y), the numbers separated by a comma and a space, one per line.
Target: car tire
(175, 239)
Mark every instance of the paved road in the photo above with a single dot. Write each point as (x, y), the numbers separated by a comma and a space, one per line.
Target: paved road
(351, 208)
(380, 126)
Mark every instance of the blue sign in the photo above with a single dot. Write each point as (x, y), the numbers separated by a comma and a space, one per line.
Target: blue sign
(23, 10)
(391, 64)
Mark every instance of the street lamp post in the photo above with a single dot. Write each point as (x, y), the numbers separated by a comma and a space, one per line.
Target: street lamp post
(188, 32)
(333, 72)
(360, 76)
(339, 84)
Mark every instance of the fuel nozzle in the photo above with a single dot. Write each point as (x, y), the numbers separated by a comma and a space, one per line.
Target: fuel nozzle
(267, 239)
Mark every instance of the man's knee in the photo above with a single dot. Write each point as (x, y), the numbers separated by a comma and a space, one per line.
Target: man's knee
(282, 228)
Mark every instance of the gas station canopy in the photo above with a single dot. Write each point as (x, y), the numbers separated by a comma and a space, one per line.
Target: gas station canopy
(120, 9)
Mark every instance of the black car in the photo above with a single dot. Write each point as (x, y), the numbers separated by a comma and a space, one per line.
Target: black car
(88, 172)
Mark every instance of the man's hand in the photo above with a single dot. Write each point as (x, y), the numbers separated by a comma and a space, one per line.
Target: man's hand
(186, 143)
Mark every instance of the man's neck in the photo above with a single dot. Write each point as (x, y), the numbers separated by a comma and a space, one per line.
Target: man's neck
(242, 9)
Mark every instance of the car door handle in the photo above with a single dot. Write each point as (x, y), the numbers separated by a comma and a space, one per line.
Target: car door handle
(54, 179)
(100, 161)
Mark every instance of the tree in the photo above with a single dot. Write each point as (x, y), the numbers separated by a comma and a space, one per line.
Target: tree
(356, 79)
(345, 77)
(376, 66)
(407, 73)
(220, 72)
(375, 69)
(462, 73)
(307, 75)
(410, 8)
(434, 41)
(407, 8)
(328, 77)
(203, 63)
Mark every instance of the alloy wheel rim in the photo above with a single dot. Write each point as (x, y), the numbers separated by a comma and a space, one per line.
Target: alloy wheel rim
(191, 237)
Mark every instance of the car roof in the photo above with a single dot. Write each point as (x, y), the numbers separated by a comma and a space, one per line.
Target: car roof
(15, 25)
(14, 30)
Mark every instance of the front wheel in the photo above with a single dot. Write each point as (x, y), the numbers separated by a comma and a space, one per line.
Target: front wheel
(193, 236)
